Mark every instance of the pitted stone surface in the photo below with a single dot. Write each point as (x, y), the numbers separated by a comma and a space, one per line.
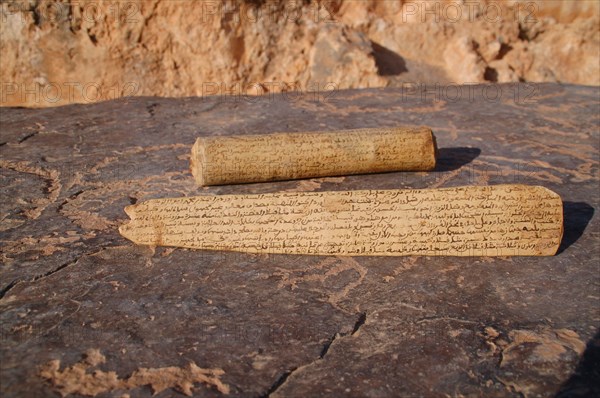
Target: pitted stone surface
(297, 325)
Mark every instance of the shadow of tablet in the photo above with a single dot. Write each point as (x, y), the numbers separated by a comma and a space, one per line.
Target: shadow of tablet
(576, 217)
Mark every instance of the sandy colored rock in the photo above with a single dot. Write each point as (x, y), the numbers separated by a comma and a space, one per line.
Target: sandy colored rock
(80, 379)
(86, 51)
(287, 156)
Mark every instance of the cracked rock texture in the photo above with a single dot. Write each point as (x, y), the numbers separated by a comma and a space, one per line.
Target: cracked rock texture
(88, 50)
(285, 325)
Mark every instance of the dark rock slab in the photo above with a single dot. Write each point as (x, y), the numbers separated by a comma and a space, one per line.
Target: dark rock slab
(298, 325)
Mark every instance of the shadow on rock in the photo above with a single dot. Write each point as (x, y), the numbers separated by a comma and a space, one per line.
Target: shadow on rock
(576, 216)
(388, 62)
(449, 159)
(585, 381)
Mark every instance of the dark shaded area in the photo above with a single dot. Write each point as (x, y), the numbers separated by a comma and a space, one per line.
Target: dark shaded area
(504, 49)
(255, 3)
(576, 216)
(454, 158)
(278, 383)
(388, 62)
(361, 321)
(7, 288)
(585, 381)
(490, 74)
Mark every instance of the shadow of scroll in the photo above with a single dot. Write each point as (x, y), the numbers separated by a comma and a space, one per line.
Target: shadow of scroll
(576, 216)
(449, 159)
(585, 381)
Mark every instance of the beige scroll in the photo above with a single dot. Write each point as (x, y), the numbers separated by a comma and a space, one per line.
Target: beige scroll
(285, 156)
(502, 220)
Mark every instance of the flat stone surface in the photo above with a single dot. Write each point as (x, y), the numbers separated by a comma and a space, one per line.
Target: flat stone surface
(298, 325)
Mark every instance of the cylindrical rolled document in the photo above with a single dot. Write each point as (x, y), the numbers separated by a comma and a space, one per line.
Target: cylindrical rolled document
(287, 156)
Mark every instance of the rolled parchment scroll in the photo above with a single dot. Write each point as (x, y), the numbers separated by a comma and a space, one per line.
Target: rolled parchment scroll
(286, 156)
(502, 220)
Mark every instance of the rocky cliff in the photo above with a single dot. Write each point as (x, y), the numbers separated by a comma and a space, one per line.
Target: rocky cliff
(55, 53)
